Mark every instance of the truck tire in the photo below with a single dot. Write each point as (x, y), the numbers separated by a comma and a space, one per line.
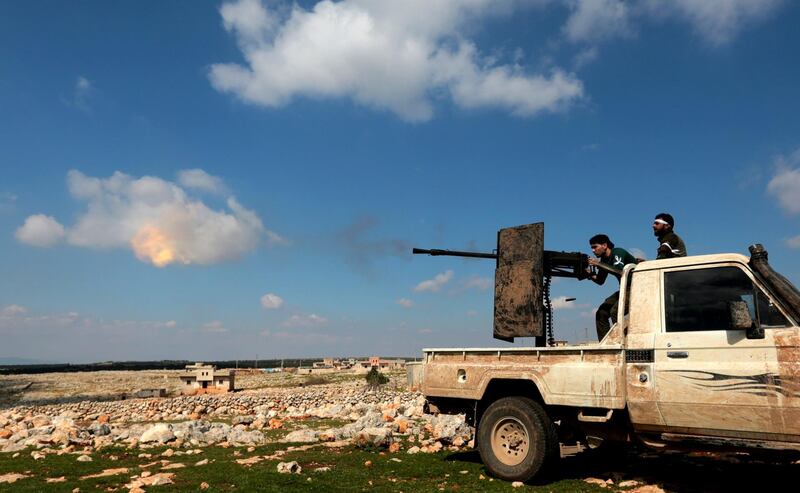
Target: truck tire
(516, 439)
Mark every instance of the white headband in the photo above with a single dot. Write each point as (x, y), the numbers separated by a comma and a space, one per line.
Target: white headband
(661, 221)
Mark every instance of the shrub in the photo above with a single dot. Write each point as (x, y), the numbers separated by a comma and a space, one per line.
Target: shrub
(375, 378)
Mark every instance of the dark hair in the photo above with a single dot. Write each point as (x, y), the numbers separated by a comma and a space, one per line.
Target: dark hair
(600, 239)
(666, 217)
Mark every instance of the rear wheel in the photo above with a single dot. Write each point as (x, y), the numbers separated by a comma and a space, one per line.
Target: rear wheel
(516, 439)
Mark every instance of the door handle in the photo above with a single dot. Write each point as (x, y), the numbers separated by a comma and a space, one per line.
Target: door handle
(677, 354)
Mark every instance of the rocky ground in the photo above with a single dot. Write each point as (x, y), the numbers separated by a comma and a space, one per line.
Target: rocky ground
(275, 416)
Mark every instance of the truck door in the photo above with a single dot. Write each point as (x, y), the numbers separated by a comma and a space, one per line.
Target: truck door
(710, 379)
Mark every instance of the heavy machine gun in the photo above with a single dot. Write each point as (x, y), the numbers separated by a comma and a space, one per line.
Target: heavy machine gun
(523, 272)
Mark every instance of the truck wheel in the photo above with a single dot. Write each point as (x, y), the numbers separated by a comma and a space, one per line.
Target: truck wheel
(516, 439)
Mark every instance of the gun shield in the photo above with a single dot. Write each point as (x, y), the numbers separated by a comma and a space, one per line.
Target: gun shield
(518, 296)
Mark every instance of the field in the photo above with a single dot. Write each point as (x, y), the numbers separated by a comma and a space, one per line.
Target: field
(405, 450)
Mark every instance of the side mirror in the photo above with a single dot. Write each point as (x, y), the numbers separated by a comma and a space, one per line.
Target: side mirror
(741, 320)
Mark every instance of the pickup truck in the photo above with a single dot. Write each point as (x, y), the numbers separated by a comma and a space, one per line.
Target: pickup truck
(706, 355)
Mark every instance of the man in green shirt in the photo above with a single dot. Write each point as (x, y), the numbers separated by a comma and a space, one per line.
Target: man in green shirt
(670, 245)
(615, 258)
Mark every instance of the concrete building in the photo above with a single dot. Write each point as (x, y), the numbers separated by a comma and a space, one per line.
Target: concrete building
(199, 376)
(381, 364)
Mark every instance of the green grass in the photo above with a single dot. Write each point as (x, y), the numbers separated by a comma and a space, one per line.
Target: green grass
(420, 472)
(444, 471)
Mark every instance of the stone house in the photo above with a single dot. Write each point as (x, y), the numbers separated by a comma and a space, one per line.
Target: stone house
(199, 376)
(381, 364)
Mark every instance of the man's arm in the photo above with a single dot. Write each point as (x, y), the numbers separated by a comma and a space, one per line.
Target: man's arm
(602, 273)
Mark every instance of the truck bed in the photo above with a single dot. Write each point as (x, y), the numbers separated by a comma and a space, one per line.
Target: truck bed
(583, 376)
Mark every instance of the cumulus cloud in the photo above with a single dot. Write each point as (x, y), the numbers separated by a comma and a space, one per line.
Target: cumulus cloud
(785, 185)
(271, 301)
(405, 302)
(81, 93)
(40, 230)
(301, 320)
(793, 242)
(436, 283)
(158, 220)
(200, 180)
(394, 56)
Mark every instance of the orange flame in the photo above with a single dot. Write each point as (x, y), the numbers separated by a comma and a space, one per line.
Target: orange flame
(150, 244)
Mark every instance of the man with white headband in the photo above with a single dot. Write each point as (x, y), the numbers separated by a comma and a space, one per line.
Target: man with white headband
(670, 245)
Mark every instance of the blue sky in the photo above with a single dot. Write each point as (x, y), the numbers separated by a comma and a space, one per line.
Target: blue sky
(209, 180)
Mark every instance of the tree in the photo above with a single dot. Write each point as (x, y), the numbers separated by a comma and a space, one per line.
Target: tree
(375, 378)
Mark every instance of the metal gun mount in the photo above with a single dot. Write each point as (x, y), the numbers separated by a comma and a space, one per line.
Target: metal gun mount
(524, 269)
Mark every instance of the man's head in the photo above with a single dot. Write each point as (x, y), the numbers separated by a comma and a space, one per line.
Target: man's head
(662, 224)
(601, 245)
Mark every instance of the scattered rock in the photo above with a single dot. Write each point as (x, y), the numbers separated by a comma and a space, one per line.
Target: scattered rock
(12, 477)
(60, 479)
(517, 484)
(107, 472)
(289, 468)
(162, 433)
(84, 458)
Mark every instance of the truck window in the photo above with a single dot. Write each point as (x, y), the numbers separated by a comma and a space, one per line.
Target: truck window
(701, 299)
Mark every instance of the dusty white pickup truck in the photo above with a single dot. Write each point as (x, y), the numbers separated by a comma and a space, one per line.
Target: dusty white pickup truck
(706, 355)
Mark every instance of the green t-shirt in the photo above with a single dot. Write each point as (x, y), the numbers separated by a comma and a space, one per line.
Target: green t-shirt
(618, 259)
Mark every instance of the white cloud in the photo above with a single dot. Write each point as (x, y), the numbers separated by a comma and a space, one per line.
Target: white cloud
(479, 283)
(40, 230)
(561, 303)
(718, 21)
(200, 180)
(388, 55)
(271, 301)
(155, 218)
(213, 327)
(472, 313)
(405, 302)
(793, 242)
(434, 284)
(304, 320)
(597, 20)
(785, 185)
(13, 310)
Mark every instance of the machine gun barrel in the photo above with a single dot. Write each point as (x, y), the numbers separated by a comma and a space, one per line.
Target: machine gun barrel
(452, 253)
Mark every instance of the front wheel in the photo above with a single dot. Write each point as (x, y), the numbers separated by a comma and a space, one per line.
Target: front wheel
(516, 439)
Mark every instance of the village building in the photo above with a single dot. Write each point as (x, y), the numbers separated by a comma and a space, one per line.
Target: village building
(199, 376)
(381, 364)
